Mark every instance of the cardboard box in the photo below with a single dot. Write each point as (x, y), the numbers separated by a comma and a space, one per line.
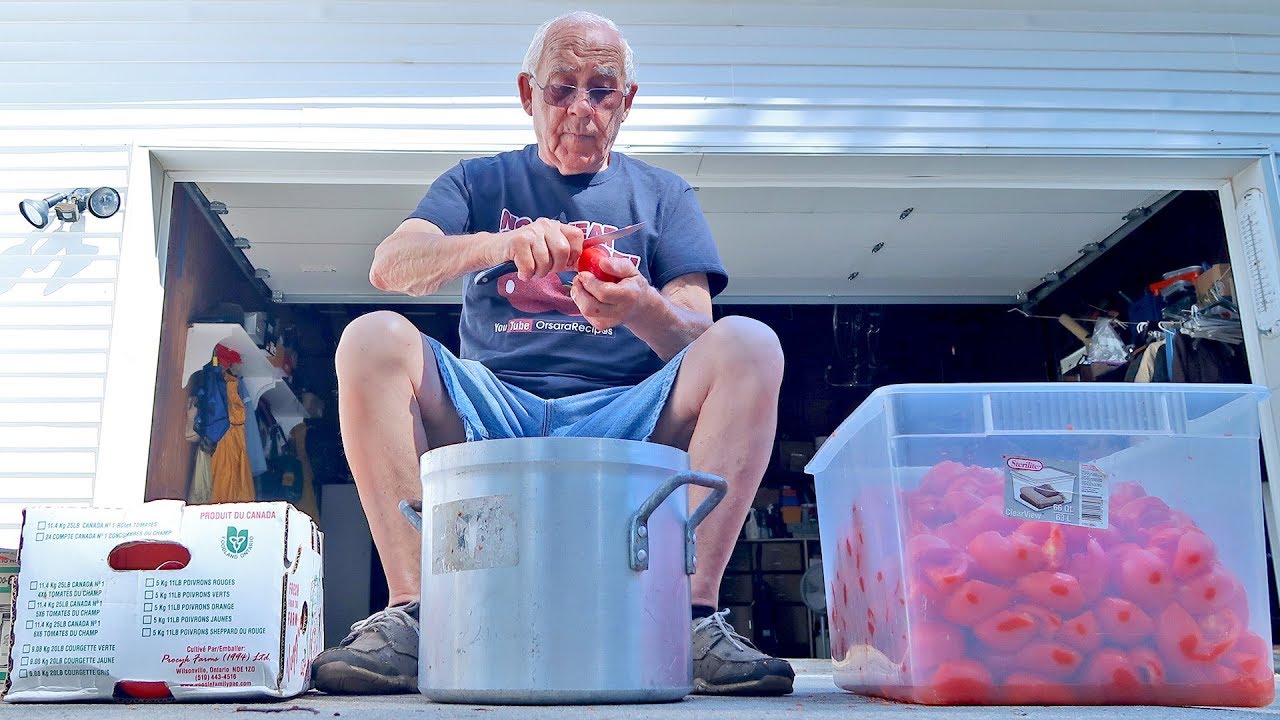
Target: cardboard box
(782, 556)
(8, 576)
(236, 611)
(1215, 284)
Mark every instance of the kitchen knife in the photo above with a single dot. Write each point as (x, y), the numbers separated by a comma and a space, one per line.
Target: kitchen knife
(498, 271)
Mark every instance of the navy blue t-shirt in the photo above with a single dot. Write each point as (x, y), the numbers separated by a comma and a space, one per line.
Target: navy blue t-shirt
(531, 334)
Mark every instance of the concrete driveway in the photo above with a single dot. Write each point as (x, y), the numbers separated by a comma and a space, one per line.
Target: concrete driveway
(815, 697)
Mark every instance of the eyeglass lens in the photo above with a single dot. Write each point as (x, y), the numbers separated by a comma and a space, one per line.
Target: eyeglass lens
(564, 95)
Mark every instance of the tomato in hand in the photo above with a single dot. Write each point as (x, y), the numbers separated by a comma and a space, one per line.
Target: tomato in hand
(590, 259)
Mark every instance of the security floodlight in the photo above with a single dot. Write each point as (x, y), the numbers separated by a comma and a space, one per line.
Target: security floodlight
(104, 202)
(36, 212)
(68, 206)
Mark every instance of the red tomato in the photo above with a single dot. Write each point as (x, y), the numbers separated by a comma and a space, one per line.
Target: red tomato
(1163, 541)
(960, 502)
(1048, 623)
(1250, 661)
(1182, 638)
(975, 601)
(1057, 591)
(938, 478)
(1207, 592)
(1022, 688)
(1251, 643)
(1124, 492)
(987, 516)
(1090, 569)
(934, 643)
(1113, 672)
(1037, 530)
(1052, 660)
(1250, 691)
(1145, 579)
(955, 535)
(1148, 666)
(959, 682)
(1124, 623)
(1082, 632)
(1194, 556)
(590, 259)
(942, 567)
(1055, 548)
(1005, 557)
(1139, 513)
(1007, 631)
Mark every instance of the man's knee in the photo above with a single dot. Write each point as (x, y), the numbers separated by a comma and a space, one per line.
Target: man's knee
(381, 340)
(746, 349)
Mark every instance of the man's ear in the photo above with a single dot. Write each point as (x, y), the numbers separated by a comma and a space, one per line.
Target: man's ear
(526, 93)
(626, 103)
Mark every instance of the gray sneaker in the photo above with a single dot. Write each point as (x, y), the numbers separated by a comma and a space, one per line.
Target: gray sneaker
(725, 663)
(378, 657)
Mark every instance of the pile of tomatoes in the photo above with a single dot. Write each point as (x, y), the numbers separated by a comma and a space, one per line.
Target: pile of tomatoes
(980, 608)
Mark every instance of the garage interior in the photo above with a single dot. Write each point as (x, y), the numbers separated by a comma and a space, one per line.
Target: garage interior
(865, 287)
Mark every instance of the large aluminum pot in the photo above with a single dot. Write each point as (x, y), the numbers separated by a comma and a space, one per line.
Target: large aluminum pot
(555, 570)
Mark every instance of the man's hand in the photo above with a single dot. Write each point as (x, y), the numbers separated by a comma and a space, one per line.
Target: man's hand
(608, 304)
(542, 247)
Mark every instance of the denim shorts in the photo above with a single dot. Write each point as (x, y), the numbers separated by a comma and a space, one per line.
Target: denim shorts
(492, 409)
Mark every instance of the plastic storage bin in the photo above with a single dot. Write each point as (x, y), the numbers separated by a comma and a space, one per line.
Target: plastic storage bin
(1048, 544)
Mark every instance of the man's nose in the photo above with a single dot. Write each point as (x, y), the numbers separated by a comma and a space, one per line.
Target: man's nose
(581, 103)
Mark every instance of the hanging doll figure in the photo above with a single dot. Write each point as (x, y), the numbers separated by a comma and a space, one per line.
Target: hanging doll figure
(232, 476)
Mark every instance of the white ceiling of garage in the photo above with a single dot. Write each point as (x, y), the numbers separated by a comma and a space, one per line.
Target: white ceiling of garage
(780, 244)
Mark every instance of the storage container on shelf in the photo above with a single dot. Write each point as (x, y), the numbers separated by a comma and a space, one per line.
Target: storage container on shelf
(1048, 543)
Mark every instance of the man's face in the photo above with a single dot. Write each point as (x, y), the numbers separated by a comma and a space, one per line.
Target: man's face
(576, 138)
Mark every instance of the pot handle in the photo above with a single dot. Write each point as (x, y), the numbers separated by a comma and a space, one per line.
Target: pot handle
(639, 531)
(412, 511)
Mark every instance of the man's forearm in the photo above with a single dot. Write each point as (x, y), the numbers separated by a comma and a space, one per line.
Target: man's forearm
(667, 327)
(419, 263)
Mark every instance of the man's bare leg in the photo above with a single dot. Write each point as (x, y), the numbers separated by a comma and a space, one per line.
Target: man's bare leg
(724, 410)
(392, 407)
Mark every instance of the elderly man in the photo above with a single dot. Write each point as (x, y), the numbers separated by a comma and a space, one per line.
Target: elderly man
(638, 358)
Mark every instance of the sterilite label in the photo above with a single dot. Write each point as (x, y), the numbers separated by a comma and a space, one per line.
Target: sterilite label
(1057, 491)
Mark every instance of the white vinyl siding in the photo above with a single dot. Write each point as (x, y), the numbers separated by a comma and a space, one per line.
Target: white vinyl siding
(57, 288)
(716, 77)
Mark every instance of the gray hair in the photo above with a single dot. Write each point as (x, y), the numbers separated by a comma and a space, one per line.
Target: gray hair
(578, 17)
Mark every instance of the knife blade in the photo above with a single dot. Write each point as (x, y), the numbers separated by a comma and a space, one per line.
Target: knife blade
(498, 271)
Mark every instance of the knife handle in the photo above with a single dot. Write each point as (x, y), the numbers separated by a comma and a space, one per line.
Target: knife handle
(485, 276)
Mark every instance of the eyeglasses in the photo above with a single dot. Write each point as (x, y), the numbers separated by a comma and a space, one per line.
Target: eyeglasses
(600, 98)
